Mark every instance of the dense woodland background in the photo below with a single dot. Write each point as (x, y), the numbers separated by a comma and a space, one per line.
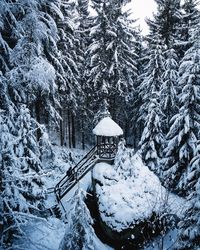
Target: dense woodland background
(59, 63)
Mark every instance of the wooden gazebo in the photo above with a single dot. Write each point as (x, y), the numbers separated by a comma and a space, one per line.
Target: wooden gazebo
(107, 134)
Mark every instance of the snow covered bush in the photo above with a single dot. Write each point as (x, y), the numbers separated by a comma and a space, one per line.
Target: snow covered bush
(45, 146)
(22, 189)
(123, 164)
(189, 227)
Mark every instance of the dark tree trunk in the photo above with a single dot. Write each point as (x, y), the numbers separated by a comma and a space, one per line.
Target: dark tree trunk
(69, 128)
(126, 130)
(65, 127)
(83, 134)
(38, 105)
(73, 132)
(61, 129)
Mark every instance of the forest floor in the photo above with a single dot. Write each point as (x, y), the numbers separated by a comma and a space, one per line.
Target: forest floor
(42, 234)
(46, 234)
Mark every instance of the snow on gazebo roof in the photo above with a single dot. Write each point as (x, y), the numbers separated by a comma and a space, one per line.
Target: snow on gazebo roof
(107, 127)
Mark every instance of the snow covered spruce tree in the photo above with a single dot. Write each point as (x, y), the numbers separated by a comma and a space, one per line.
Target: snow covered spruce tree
(30, 79)
(36, 69)
(150, 110)
(152, 77)
(79, 232)
(135, 99)
(23, 191)
(184, 131)
(32, 75)
(165, 21)
(6, 159)
(165, 27)
(189, 228)
(111, 68)
(152, 137)
(5, 36)
(69, 87)
(70, 59)
(169, 88)
(84, 23)
(27, 148)
(102, 113)
(189, 19)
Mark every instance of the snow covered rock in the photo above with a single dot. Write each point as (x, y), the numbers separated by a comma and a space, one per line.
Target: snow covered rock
(127, 202)
(132, 204)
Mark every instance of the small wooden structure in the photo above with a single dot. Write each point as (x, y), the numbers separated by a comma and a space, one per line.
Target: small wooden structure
(107, 134)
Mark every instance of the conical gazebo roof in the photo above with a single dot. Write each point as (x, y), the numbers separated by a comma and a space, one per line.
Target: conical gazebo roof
(107, 127)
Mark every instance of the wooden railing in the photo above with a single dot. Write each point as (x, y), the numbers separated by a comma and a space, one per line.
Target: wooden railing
(107, 151)
(78, 172)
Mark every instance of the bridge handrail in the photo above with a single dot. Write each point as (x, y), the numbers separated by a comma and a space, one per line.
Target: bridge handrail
(78, 168)
(60, 194)
(86, 157)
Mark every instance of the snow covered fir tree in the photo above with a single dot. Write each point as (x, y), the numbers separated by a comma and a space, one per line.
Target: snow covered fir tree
(80, 235)
(99, 125)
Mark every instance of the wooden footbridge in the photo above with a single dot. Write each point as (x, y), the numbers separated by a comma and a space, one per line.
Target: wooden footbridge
(77, 173)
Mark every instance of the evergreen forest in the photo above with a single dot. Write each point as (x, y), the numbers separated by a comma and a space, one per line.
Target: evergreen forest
(66, 64)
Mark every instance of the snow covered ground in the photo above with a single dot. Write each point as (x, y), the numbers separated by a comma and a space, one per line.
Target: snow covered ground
(47, 235)
(42, 234)
(123, 202)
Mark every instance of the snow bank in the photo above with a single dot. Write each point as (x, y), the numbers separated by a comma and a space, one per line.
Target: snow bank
(42, 235)
(126, 202)
(107, 127)
(47, 235)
